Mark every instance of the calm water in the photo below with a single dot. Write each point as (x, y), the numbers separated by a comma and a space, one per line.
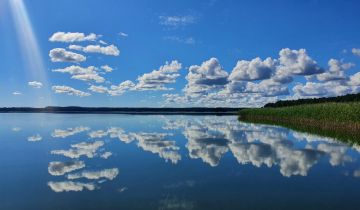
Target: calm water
(53, 161)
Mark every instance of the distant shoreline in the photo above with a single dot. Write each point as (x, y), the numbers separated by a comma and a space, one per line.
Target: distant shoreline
(125, 110)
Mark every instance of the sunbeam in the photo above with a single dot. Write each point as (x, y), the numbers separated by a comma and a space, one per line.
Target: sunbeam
(29, 46)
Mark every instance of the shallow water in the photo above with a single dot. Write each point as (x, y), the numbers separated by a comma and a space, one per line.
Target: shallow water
(56, 161)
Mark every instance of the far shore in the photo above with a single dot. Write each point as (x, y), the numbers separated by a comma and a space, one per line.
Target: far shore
(125, 110)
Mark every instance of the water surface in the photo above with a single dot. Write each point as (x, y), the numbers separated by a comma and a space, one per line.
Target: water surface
(59, 161)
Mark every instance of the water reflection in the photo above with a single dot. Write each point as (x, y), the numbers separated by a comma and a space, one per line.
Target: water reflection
(207, 139)
(210, 139)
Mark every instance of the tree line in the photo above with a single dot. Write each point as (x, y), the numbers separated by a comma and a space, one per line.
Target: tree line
(344, 98)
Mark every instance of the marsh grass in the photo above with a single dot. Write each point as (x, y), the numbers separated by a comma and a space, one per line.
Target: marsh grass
(336, 120)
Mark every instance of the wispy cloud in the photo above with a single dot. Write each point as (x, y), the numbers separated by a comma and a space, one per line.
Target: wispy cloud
(35, 84)
(123, 34)
(69, 91)
(186, 40)
(176, 21)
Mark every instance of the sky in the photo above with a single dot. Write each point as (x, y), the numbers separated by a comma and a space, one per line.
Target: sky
(178, 53)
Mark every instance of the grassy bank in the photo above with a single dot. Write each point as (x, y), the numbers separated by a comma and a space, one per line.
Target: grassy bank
(337, 120)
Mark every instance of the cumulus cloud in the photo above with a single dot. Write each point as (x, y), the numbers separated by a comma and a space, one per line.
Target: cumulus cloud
(62, 55)
(265, 88)
(89, 77)
(336, 152)
(355, 79)
(90, 73)
(208, 76)
(72, 37)
(209, 73)
(116, 90)
(331, 88)
(35, 84)
(106, 50)
(57, 168)
(157, 79)
(69, 91)
(176, 21)
(210, 139)
(255, 69)
(336, 71)
(75, 70)
(298, 62)
(68, 186)
(156, 143)
(98, 89)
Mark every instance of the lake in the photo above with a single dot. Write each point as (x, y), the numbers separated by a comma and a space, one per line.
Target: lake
(84, 161)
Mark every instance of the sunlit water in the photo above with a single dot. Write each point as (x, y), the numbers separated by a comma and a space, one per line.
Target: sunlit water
(54, 161)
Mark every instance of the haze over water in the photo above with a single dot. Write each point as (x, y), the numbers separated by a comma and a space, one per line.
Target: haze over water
(59, 161)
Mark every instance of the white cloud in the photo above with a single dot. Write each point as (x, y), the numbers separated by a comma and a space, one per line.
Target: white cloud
(356, 173)
(204, 79)
(266, 88)
(57, 168)
(87, 149)
(123, 34)
(331, 88)
(157, 79)
(106, 155)
(98, 89)
(16, 129)
(116, 90)
(16, 93)
(209, 73)
(89, 73)
(73, 70)
(72, 37)
(156, 143)
(176, 21)
(336, 71)
(255, 69)
(89, 77)
(109, 174)
(61, 55)
(69, 91)
(356, 51)
(186, 40)
(35, 84)
(106, 50)
(36, 137)
(67, 186)
(298, 62)
(107, 68)
(336, 152)
(355, 79)
(59, 133)
(98, 134)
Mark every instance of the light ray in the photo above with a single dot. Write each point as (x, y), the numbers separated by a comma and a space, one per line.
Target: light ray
(29, 45)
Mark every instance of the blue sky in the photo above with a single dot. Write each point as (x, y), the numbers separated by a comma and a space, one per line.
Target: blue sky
(208, 51)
